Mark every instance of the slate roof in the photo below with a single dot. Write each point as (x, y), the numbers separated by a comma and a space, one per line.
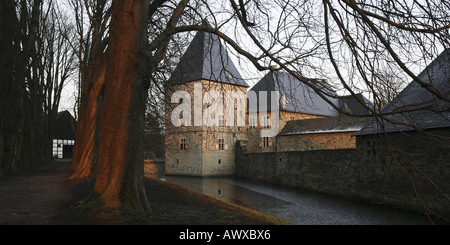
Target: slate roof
(65, 126)
(206, 58)
(426, 111)
(324, 125)
(299, 97)
(350, 104)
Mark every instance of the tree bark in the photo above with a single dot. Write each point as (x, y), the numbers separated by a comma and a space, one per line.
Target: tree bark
(92, 68)
(86, 147)
(119, 177)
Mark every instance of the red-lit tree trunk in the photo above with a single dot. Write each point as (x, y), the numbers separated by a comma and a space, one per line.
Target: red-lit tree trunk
(111, 117)
(92, 73)
(86, 149)
(119, 175)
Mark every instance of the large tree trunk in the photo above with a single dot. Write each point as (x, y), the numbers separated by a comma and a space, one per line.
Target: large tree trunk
(86, 146)
(92, 73)
(119, 177)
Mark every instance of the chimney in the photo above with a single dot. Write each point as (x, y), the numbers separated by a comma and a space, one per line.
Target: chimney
(283, 102)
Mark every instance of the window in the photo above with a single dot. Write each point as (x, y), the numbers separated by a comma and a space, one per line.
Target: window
(219, 161)
(371, 149)
(221, 121)
(181, 122)
(183, 145)
(221, 146)
(253, 122)
(266, 142)
(178, 161)
(266, 122)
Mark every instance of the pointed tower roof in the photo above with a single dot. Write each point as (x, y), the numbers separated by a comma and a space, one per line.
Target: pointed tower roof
(206, 58)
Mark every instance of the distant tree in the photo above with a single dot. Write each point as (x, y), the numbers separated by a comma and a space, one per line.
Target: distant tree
(19, 23)
(36, 62)
(154, 133)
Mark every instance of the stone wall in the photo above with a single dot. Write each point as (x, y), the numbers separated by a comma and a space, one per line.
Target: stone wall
(183, 161)
(202, 156)
(317, 141)
(409, 171)
(216, 161)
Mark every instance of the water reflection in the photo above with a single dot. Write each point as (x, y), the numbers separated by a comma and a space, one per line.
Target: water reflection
(298, 207)
(226, 189)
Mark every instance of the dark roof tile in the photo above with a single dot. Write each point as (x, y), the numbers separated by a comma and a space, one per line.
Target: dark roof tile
(299, 97)
(206, 58)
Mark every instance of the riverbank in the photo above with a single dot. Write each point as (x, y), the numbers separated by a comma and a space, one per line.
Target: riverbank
(46, 196)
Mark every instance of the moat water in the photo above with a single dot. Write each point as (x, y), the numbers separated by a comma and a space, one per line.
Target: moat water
(297, 206)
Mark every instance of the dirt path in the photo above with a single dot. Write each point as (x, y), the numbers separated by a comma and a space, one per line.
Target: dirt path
(46, 195)
(35, 197)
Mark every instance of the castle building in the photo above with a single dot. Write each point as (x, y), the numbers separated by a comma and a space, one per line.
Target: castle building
(296, 101)
(206, 88)
(211, 109)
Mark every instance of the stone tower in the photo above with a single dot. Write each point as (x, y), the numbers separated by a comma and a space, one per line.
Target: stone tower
(206, 99)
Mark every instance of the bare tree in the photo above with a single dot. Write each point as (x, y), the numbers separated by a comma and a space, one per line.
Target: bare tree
(19, 26)
(347, 41)
(387, 86)
(50, 67)
(36, 63)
